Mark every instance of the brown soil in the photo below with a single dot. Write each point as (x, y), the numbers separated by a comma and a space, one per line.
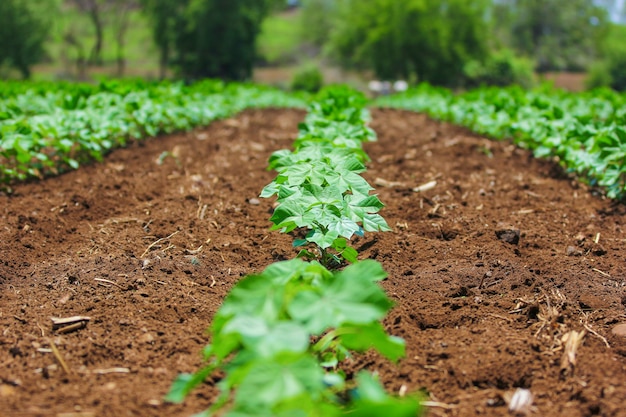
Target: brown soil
(571, 81)
(149, 250)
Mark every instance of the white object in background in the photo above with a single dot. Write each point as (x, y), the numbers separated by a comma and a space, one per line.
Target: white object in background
(400, 85)
(375, 86)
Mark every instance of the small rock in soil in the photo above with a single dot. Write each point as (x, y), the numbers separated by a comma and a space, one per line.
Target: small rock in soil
(619, 330)
(509, 235)
(573, 251)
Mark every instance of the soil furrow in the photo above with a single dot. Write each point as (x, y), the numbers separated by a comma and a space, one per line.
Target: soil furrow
(491, 269)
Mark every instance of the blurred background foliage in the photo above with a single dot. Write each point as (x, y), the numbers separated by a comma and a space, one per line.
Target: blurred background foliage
(301, 43)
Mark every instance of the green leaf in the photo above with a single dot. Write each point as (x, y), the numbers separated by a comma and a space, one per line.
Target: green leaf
(323, 240)
(344, 227)
(371, 400)
(348, 253)
(351, 297)
(291, 215)
(375, 223)
(270, 189)
(73, 163)
(268, 383)
(255, 295)
(268, 339)
(184, 383)
(372, 336)
(305, 173)
(364, 271)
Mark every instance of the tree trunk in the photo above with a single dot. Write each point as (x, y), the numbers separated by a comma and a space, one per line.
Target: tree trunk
(120, 36)
(96, 19)
(71, 40)
(25, 70)
(163, 62)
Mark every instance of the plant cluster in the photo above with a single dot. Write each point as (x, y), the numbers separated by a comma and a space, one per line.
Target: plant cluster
(318, 186)
(308, 78)
(49, 129)
(280, 336)
(585, 132)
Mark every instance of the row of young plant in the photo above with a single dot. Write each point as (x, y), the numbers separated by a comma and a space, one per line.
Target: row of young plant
(46, 132)
(586, 132)
(281, 336)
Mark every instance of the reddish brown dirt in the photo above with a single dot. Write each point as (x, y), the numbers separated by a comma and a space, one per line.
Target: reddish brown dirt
(571, 81)
(481, 317)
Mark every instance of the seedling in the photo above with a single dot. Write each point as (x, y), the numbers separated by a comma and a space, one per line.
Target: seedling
(261, 340)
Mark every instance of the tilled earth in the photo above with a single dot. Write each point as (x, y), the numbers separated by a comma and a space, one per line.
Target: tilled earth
(494, 264)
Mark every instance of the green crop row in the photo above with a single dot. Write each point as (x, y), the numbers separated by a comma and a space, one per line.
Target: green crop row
(280, 336)
(318, 184)
(585, 132)
(45, 132)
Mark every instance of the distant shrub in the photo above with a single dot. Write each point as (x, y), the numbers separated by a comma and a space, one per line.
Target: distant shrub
(500, 68)
(599, 76)
(610, 72)
(416, 40)
(308, 78)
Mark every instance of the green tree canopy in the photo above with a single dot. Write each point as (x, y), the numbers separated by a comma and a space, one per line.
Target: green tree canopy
(24, 26)
(218, 38)
(558, 34)
(166, 17)
(430, 40)
(316, 20)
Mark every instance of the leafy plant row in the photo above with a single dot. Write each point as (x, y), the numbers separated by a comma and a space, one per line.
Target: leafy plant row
(280, 336)
(46, 133)
(318, 186)
(585, 132)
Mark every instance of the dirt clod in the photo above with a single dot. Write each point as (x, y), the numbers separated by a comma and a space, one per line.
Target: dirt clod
(619, 330)
(508, 235)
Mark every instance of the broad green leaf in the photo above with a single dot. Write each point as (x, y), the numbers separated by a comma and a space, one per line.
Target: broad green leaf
(364, 271)
(305, 173)
(350, 254)
(268, 339)
(269, 382)
(375, 223)
(351, 297)
(255, 295)
(371, 400)
(323, 240)
(344, 227)
(372, 336)
(289, 215)
(185, 383)
(270, 189)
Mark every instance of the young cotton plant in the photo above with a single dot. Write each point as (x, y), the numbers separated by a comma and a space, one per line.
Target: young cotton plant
(318, 186)
(279, 336)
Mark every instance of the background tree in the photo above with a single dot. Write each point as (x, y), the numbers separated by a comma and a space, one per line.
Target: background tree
(95, 10)
(316, 22)
(165, 17)
(120, 15)
(24, 26)
(610, 71)
(558, 34)
(218, 39)
(430, 40)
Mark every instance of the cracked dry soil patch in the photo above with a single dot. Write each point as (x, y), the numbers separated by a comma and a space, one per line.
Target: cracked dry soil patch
(490, 270)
